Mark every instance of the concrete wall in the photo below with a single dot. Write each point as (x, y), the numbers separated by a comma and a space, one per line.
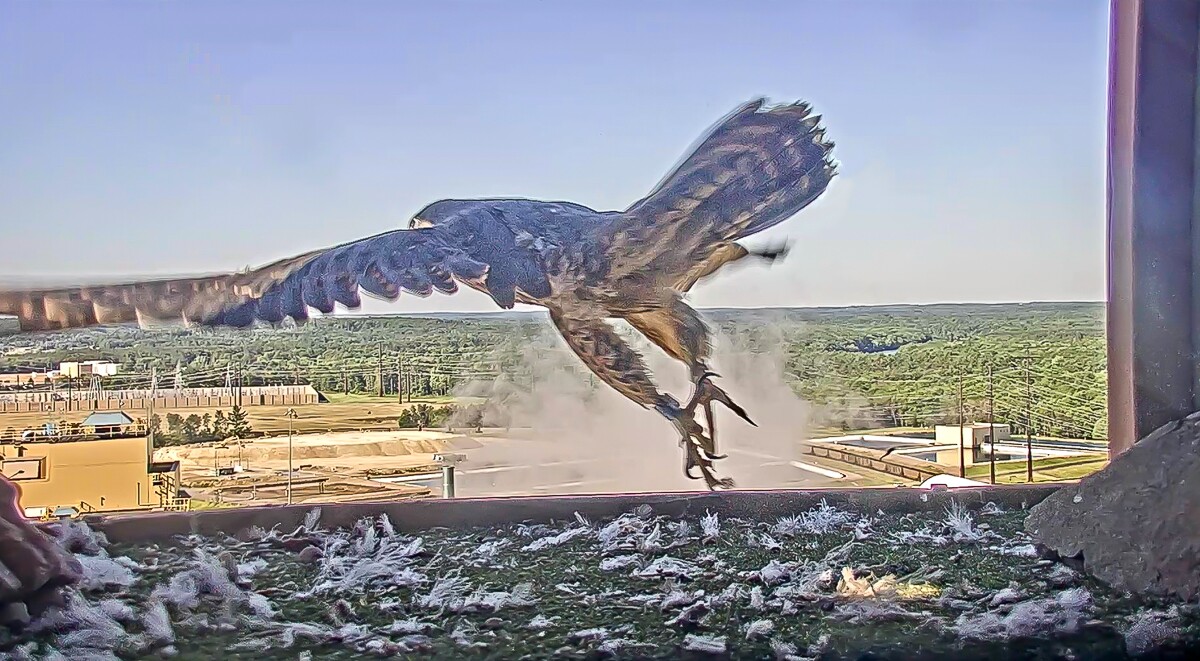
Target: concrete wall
(416, 515)
(24, 379)
(100, 475)
(950, 457)
(904, 467)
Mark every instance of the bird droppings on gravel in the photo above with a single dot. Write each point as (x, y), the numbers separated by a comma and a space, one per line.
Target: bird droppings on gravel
(828, 583)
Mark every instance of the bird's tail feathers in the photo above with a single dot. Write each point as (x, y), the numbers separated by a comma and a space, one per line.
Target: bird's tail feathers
(755, 169)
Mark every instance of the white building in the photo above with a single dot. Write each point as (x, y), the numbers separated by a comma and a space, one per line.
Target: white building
(74, 370)
(974, 434)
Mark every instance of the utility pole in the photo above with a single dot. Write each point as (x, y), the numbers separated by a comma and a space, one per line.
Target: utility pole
(1028, 419)
(345, 382)
(962, 460)
(991, 425)
(150, 417)
(379, 371)
(399, 379)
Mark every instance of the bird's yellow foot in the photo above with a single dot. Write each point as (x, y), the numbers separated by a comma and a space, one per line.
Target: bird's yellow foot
(694, 441)
(705, 394)
(700, 445)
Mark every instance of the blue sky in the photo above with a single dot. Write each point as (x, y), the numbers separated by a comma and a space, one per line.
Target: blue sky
(170, 137)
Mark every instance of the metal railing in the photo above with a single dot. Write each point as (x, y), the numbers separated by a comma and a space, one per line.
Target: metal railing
(74, 433)
(177, 505)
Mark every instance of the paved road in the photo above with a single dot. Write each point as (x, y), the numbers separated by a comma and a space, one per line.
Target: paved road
(507, 467)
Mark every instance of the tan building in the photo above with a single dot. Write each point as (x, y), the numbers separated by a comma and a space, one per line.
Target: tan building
(110, 474)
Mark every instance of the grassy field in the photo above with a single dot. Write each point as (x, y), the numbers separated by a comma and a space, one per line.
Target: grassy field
(1050, 469)
(342, 413)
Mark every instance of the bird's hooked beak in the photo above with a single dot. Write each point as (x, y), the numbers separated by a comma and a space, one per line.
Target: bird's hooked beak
(775, 251)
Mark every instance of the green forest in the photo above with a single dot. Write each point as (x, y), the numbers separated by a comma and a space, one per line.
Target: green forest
(862, 367)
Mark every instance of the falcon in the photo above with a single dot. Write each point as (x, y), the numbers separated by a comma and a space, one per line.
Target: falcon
(754, 169)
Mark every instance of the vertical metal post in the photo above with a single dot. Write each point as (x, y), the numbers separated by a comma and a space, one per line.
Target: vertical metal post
(991, 425)
(962, 460)
(447, 462)
(1153, 283)
(291, 415)
(150, 418)
(289, 480)
(448, 481)
(1028, 420)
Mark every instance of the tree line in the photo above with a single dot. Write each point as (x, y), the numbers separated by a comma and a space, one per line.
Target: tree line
(860, 367)
(194, 428)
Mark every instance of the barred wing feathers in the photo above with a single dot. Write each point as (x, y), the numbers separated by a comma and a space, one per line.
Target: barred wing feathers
(416, 261)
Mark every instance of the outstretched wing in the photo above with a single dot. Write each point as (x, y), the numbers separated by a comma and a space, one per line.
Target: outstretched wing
(755, 169)
(483, 255)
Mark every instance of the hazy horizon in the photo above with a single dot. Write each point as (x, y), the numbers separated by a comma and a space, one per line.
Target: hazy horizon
(198, 138)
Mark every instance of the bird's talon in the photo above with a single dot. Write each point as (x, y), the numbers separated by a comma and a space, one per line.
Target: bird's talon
(699, 445)
(724, 484)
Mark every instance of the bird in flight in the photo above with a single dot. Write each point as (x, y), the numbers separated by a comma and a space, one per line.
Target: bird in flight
(756, 168)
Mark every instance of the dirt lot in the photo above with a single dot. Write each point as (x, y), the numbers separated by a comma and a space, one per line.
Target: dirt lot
(329, 467)
(334, 450)
(356, 437)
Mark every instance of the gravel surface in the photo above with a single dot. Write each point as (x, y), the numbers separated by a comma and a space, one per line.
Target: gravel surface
(827, 583)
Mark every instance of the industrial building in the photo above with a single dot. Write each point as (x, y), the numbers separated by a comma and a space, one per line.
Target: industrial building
(25, 379)
(109, 469)
(972, 435)
(138, 400)
(107, 424)
(76, 369)
(66, 370)
(951, 447)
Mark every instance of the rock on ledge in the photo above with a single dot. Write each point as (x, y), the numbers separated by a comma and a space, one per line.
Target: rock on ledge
(1135, 524)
